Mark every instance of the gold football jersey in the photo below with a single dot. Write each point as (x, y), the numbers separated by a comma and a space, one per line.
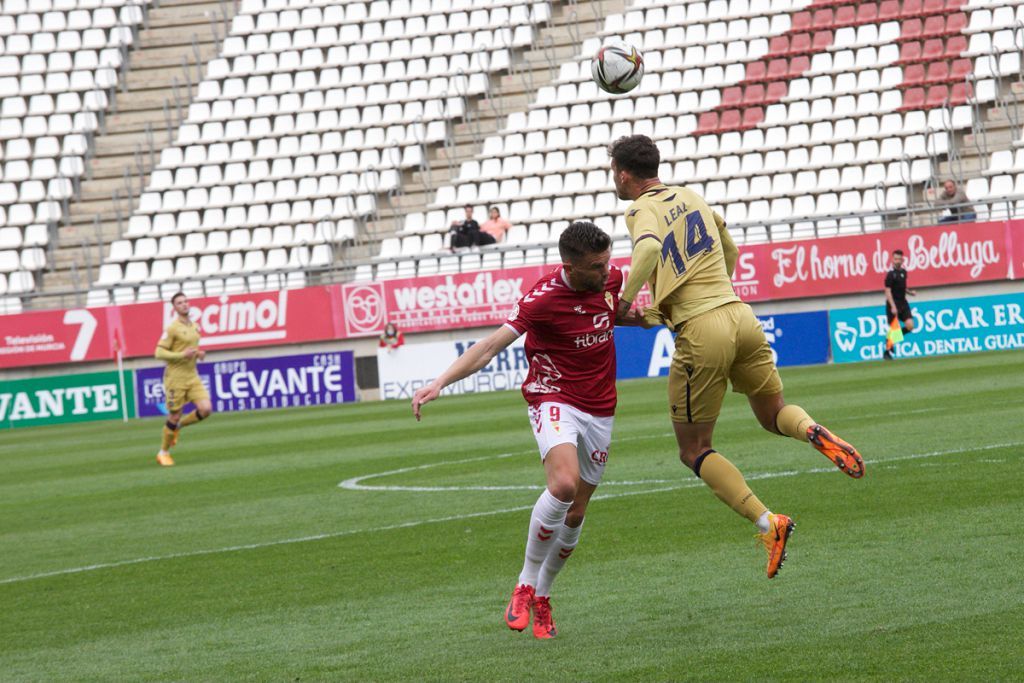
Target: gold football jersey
(691, 276)
(177, 339)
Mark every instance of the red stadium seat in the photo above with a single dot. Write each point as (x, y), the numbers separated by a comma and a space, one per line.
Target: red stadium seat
(938, 72)
(911, 29)
(777, 90)
(801, 22)
(778, 69)
(956, 23)
(753, 94)
(938, 95)
(798, 66)
(913, 75)
(934, 26)
(845, 16)
(889, 10)
(822, 41)
(955, 46)
(955, 5)
(731, 96)
(961, 93)
(800, 43)
(913, 99)
(707, 123)
(933, 49)
(960, 69)
(912, 8)
(823, 18)
(756, 71)
(934, 7)
(867, 13)
(731, 119)
(778, 45)
(752, 117)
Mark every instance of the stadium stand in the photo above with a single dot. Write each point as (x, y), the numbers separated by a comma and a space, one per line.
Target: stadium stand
(337, 140)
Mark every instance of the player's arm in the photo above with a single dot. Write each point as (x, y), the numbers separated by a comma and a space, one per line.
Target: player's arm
(643, 226)
(163, 349)
(729, 250)
(476, 357)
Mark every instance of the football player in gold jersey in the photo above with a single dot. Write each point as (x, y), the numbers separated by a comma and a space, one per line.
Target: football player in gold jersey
(180, 348)
(683, 252)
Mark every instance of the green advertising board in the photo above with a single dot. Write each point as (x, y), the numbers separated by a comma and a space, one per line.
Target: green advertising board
(65, 398)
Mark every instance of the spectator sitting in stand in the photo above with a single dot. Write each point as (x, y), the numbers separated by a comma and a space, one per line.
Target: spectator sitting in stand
(392, 338)
(494, 228)
(955, 200)
(465, 233)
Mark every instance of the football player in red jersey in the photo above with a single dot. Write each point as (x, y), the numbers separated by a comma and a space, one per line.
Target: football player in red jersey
(568, 318)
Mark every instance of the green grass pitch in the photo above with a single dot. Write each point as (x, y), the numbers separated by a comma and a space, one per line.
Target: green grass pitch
(247, 561)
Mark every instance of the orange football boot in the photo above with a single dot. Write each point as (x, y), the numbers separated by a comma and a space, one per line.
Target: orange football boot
(779, 530)
(165, 459)
(543, 624)
(517, 614)
(838, 451)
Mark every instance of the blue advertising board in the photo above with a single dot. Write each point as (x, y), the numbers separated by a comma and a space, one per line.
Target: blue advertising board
(982, 323)
(258, 383)
(795, 338)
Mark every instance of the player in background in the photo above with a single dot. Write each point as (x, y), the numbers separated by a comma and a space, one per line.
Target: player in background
(568, 318)
(896, 306)
(180, 348)
(682, 250)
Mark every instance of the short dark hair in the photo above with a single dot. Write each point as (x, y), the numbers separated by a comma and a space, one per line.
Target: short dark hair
(898, 252)
(582, 238)
(494, 208)
(637, 154)
(175, 297)
(468, 206)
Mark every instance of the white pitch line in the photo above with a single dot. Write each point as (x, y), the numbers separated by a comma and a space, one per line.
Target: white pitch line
(692, 483)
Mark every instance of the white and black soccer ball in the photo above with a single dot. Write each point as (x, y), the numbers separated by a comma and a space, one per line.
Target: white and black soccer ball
(617, 67)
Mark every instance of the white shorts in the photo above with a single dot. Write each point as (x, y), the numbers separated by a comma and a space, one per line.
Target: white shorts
(558, 423)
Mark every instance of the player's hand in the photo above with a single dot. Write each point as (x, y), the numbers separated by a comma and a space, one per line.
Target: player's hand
(422, 396)
(200, 354)
(651, 317)
(190, 353)
(912, 292)
(623, 310)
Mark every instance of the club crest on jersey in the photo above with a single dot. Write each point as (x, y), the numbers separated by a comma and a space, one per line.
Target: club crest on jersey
(578, 309)
(610, 300)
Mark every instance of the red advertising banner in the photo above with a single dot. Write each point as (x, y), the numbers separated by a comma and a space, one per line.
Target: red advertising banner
(235, 321)
(939, 255)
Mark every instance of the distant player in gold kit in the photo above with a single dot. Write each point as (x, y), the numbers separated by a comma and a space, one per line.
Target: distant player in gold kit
(682, 250)
(180, 348)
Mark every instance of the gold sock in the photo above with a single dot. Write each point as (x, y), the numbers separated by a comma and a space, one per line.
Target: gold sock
(793, 421)
(189, 419)
(168, 437)
(728, 484)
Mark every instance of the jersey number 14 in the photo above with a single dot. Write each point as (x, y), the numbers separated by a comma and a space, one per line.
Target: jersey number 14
(698, 241)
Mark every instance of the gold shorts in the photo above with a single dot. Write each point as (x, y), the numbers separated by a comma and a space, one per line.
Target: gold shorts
(725, 343)
(180, 392)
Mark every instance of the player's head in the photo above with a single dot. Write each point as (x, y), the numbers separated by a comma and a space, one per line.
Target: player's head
(635, 160)
(180, 303)
(897, 258)
(585, 250)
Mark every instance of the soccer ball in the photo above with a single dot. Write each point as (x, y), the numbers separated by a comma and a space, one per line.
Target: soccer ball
(617, 67)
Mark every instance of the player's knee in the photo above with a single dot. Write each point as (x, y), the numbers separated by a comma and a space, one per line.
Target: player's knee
(909, 323)
(563, 488)
(768, 422)
(688, 455)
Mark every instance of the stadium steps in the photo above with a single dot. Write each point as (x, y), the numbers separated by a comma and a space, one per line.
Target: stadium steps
(557, 42)
(174, 32)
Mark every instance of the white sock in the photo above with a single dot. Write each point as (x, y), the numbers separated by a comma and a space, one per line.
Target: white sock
(763, 525)
(557, 556)
(547, 518)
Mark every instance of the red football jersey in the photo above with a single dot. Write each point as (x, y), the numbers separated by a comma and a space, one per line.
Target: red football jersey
(569, 343)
